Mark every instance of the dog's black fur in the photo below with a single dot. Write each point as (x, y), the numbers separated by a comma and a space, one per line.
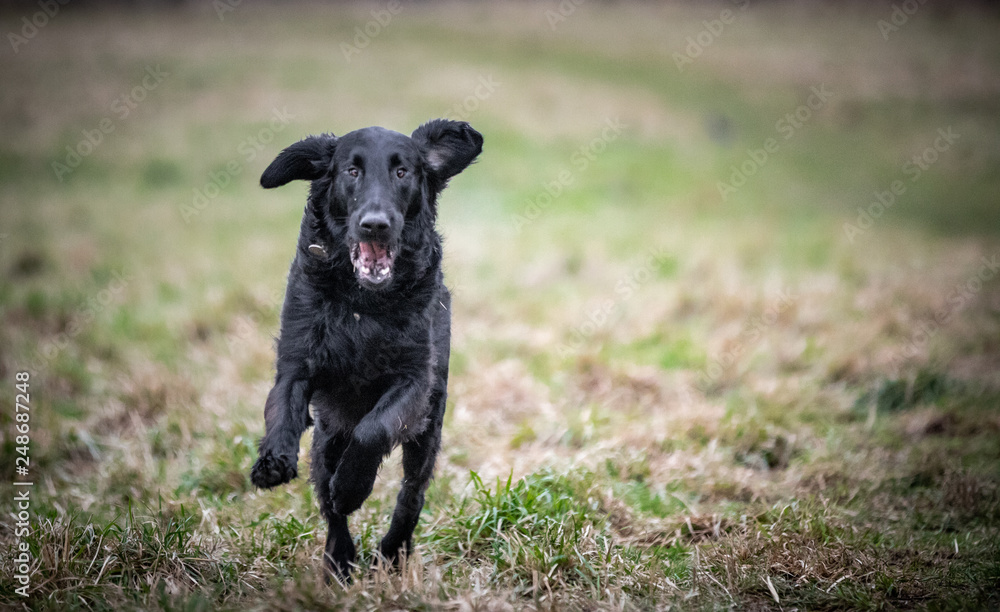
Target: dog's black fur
(365, 327)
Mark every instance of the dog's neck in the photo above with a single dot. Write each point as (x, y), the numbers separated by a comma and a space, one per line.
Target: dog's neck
(318, 250)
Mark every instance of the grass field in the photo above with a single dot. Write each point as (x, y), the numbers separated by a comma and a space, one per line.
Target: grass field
(726, 308)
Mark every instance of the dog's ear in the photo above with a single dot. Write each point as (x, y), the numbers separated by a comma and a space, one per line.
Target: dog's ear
(307, 160)
(448, 146)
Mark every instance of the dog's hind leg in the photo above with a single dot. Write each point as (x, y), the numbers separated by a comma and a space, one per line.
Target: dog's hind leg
(339, 552)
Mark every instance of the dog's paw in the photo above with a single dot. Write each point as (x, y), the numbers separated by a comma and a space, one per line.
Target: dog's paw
(336, 574)
(337, 567)
(391, 549)
(349, 491)
(272, 470)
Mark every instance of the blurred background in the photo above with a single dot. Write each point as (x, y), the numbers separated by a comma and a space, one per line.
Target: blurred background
(726, 309)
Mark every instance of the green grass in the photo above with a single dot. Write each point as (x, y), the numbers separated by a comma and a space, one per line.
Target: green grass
(660, 397)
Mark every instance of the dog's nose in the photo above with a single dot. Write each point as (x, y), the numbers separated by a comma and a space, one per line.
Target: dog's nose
(374, 222)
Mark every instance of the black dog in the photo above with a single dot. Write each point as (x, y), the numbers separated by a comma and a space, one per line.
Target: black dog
(365, 327)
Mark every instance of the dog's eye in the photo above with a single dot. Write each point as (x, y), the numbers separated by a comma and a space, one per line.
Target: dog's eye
(353, 172)
(400, 172)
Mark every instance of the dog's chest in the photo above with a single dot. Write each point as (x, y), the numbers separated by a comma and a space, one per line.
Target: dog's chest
(359, 349)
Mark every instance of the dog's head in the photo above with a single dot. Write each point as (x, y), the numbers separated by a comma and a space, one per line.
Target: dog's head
(370, 184)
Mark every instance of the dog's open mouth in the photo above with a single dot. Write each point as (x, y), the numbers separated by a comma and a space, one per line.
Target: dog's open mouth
(372, 261)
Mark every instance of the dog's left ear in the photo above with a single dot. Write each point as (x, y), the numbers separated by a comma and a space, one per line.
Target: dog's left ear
(448, 146)
(308, 160)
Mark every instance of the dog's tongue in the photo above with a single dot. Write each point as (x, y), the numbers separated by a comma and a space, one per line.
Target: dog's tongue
(372, 252)
(372, 261)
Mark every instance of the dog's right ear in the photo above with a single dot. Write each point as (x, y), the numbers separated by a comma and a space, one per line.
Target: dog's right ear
(308, 160)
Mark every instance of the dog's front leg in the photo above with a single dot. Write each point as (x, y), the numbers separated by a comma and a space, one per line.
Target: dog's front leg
(286, 416)
(403, 406)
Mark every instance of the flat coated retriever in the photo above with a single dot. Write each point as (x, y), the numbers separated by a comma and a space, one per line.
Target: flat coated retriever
(366, 323)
